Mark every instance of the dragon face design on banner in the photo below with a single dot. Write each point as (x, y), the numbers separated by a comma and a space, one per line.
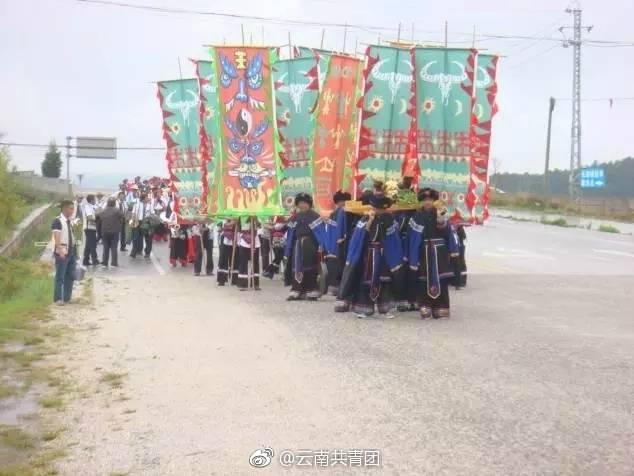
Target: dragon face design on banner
(247, 148)
(249, 161)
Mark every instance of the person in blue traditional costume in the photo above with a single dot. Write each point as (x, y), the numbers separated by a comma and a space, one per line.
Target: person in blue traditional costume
(345, 223)
(431, 242)
(374, 255)
(402, 296)
(306, 243)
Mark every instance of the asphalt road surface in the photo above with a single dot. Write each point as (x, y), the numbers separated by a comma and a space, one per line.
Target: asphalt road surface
(533, 373)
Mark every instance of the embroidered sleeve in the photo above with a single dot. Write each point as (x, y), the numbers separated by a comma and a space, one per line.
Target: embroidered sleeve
(418, 228)
(316, 223)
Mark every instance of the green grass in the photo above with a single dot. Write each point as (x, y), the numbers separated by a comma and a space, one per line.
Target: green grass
(26, 287)
(113, 379)
(555, 222)
(608, 229)
(16, 438)
(54, 402)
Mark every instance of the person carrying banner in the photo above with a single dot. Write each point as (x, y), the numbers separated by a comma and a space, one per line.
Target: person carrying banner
(249, 256)
(227, 256)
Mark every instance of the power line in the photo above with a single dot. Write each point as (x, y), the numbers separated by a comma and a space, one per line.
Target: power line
(23, 144)
(287, 21)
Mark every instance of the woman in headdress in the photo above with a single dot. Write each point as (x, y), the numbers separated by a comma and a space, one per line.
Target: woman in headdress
(306, 240)
(432, 241)
(374, 255)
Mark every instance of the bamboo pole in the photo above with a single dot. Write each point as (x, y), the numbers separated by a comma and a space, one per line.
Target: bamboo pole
(242, 29)
(446, 33)
(321, 44)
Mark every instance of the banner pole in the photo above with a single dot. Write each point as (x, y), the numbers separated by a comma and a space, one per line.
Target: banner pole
(446, 33)
(398, 35)
(242, 29)
(290, 48)
(345, 34)
(323, 32)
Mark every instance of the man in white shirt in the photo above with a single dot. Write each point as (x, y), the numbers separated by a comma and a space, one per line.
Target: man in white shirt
(140, 232)
(64, 253)
(89, 215)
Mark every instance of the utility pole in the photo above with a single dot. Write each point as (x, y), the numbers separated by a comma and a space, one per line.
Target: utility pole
(574, 189)
(70, 188)
(551, 107)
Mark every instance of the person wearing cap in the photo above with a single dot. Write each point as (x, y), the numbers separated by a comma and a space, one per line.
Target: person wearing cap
(432, 242)
(306, 240)
(341, 234)
(374, 255)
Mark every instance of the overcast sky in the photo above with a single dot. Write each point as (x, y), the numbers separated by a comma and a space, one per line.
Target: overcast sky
(72, 68)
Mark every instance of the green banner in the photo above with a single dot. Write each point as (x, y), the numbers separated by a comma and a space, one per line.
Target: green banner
(386, 123)
(444, 98)
(296, 93)
(180, 102)
(210, 137)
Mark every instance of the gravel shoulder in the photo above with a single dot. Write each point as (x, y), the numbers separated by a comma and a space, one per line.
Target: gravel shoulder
(531, 375)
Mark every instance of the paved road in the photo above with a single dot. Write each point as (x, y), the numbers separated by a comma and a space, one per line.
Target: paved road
(533, 374)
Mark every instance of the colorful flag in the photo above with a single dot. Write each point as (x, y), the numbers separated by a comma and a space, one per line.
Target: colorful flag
(249, 169)
(179, 100)
(296, 93)
(444, 92)
(209, 132)
(337, 130)
(483, 111)
(385, 125)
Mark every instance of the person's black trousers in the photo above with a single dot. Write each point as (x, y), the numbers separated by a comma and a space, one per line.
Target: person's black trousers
(110, 242)
(122, 237)
(90, 248)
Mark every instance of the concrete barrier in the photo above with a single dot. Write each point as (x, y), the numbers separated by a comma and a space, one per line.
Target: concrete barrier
(33, 219)
(57, 186)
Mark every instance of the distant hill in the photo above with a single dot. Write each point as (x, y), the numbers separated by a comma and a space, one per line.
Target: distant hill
(619, 180)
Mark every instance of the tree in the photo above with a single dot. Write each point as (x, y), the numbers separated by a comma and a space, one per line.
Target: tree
(52, 163)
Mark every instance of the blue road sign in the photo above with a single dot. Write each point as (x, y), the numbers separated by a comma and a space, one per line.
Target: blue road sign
(592, 177)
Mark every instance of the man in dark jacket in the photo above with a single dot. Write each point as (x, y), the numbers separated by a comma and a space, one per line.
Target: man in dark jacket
(111, 219)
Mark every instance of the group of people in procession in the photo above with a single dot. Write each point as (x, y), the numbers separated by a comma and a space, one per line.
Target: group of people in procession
(374, 263)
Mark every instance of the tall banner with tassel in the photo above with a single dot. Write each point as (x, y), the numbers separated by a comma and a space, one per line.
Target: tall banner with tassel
(444, 95)
(337, 130)
(179, 100)
(385, 124)
(296, 92)
(249, 171)
(209, 132)
(484, 109)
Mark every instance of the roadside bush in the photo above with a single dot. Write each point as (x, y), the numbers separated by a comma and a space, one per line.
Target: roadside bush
(556, 222)
(608, 229)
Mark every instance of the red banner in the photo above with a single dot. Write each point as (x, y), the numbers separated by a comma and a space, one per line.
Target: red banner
(337, 130)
